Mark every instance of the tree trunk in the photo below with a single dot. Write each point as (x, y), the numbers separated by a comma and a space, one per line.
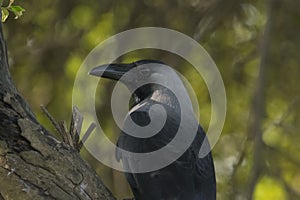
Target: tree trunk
(33, 165)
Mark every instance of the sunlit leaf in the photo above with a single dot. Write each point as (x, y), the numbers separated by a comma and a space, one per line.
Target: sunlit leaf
(17, 10)
(5, 14)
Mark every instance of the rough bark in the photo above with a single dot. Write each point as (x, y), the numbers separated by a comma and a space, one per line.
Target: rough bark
(33, 165)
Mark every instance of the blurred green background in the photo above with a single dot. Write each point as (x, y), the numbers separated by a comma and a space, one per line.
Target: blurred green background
(255, 44)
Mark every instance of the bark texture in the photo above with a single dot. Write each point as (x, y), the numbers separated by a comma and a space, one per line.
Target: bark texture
(34, 165)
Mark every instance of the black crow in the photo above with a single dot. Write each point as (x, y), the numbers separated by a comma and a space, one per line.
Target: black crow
(188, 177)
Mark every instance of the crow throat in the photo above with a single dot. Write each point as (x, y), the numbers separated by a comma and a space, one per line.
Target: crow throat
(156, 93)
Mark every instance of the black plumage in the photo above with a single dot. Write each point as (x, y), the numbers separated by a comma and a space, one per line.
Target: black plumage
(187, 178)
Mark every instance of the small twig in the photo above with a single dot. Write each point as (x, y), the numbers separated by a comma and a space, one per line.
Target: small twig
(65, 133)
(53, 121)
(72, 136)
(86, 135)
(75, 125)
(240, 157)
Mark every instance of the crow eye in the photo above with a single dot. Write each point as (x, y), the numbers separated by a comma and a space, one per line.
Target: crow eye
(144, 71)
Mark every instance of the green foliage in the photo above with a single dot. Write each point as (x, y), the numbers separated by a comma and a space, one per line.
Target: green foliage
(268, 188)
(16, 10)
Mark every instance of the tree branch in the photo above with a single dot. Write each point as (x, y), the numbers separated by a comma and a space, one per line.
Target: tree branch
(33, 165)
(258, 109)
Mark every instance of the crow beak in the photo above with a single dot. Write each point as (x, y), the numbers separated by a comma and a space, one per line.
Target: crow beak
(111, 71)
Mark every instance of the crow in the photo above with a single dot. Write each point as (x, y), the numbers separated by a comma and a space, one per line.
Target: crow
(188, 177)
